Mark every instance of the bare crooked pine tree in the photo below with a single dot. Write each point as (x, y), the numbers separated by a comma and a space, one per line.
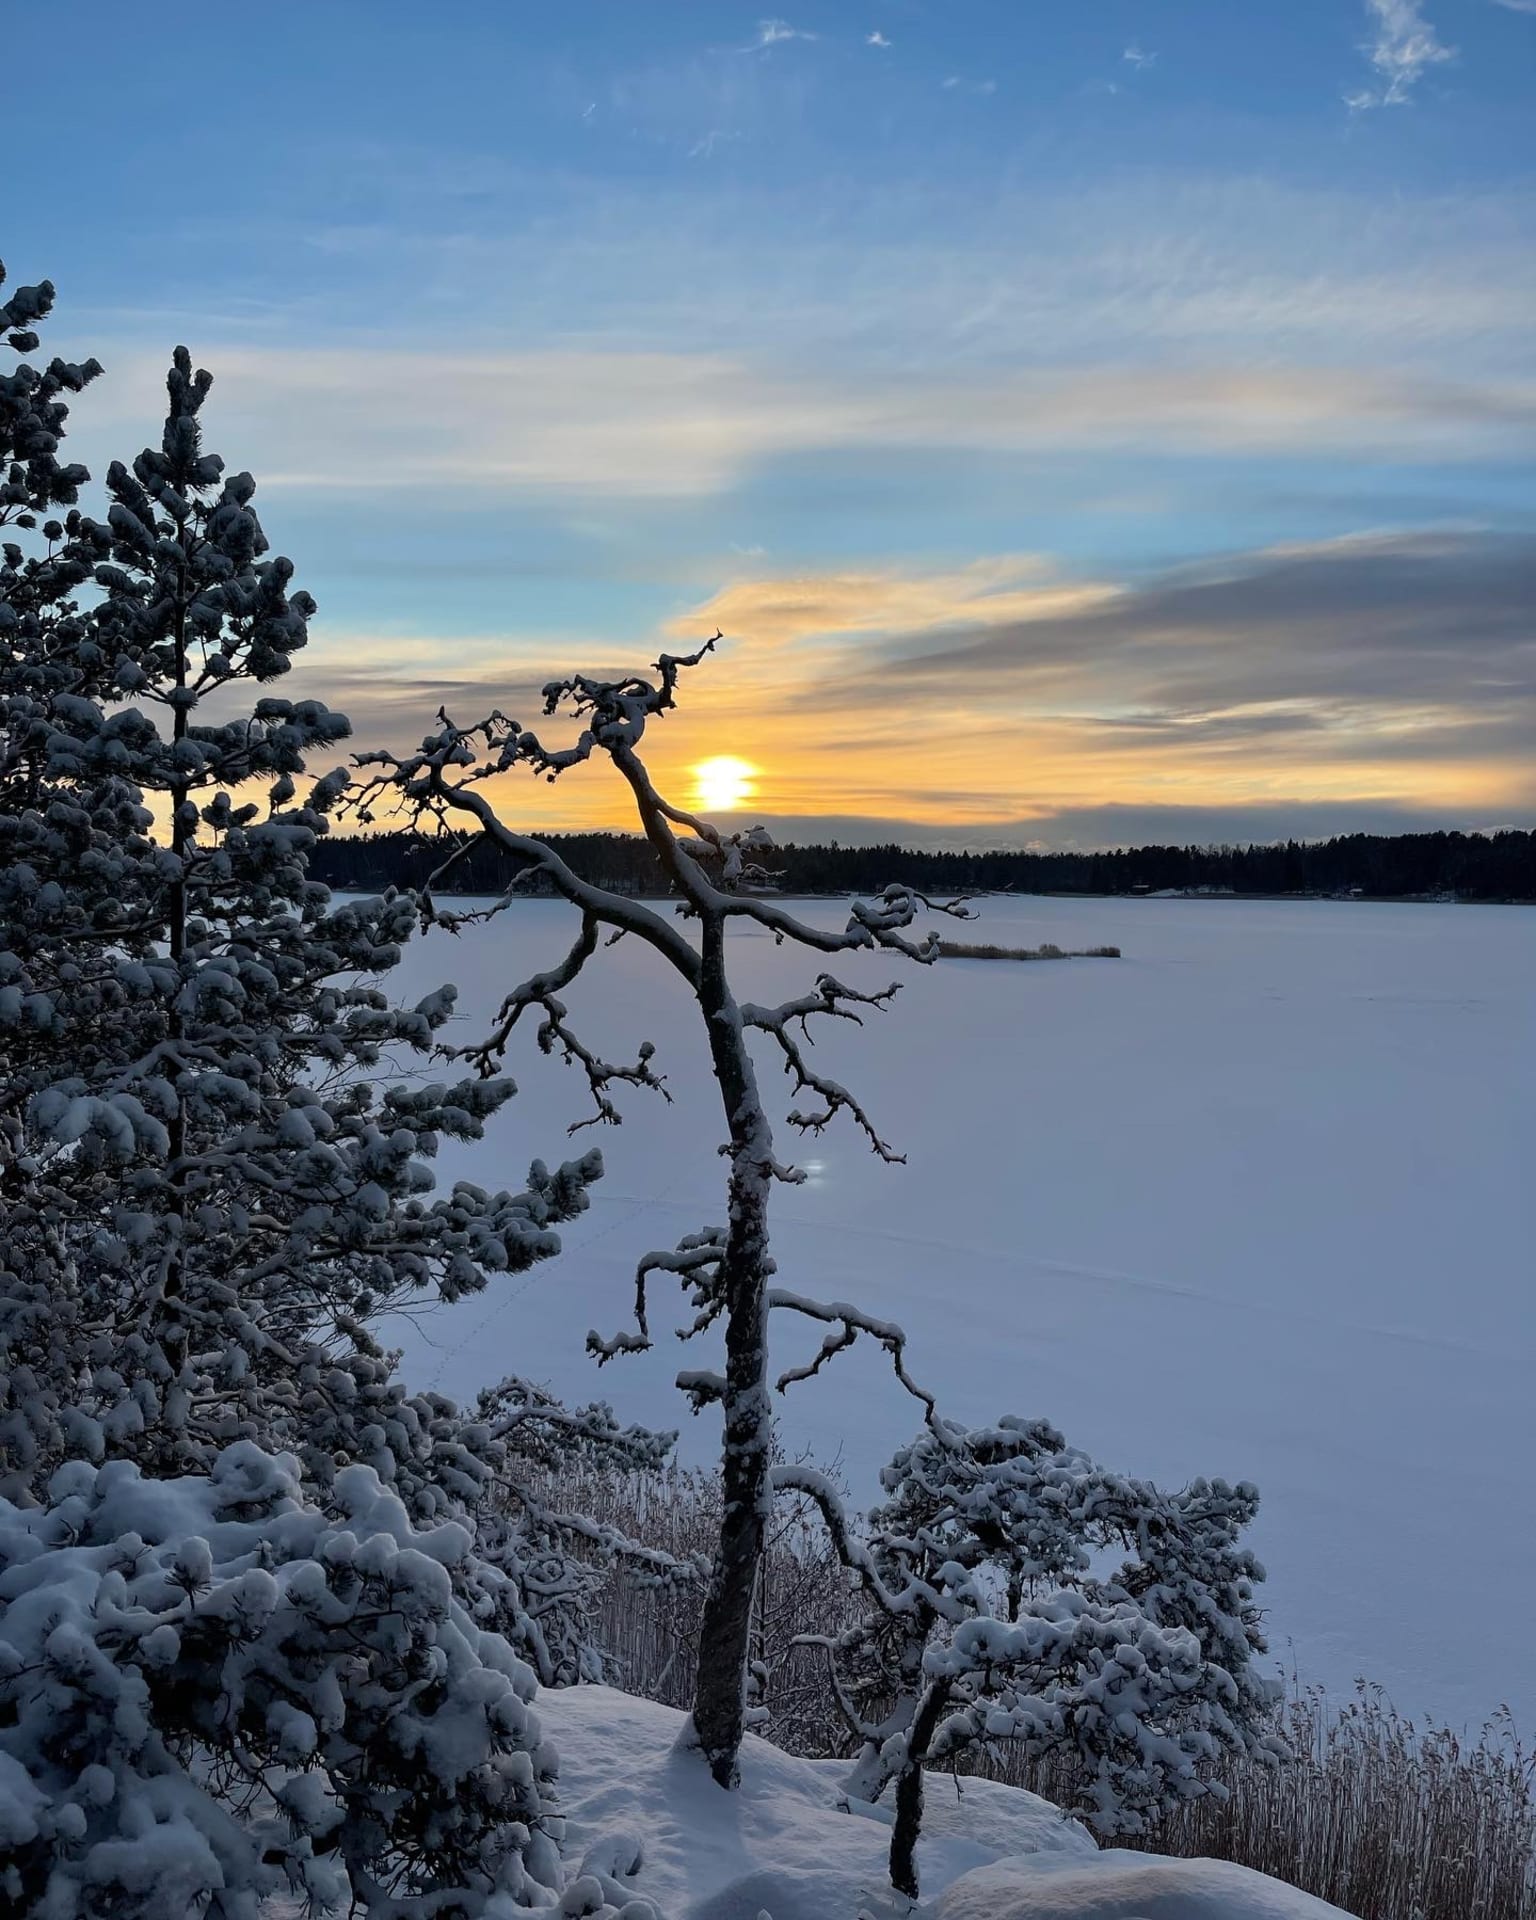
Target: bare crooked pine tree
(727, 1268)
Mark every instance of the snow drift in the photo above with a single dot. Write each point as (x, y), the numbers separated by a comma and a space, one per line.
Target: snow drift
(640, 1811)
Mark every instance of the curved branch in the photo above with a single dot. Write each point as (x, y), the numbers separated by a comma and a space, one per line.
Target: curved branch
(554, 1033)
(536, 991)
(870, 1730)
(871, 923)
(422, 779)
(898, 1604)
(849, 1322)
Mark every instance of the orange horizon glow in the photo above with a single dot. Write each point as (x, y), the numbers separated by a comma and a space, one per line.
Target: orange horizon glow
(948, 700)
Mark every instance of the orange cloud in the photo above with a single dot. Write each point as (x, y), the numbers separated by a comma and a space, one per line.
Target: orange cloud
(779, 610)
(1395, 671)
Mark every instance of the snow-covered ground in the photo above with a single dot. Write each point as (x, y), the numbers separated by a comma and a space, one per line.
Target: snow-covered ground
(782, 1847)
(1255, 1200)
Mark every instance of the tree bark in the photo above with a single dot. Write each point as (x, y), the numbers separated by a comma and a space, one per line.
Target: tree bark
(909, 1790)
(719, 1708)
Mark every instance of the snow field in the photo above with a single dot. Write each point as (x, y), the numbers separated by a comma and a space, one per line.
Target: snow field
(1252, 1201)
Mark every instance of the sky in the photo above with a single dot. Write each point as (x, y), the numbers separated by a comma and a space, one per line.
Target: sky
(1088, 423)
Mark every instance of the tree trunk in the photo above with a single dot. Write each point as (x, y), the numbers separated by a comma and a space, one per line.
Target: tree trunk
(181, 839)
(719, 1707)
(719, 1710)
(909, 1790)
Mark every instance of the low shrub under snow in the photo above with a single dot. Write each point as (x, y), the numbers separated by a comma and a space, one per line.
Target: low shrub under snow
(213, 1694)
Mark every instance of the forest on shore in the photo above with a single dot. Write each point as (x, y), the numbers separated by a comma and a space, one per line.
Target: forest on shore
(1460, 866)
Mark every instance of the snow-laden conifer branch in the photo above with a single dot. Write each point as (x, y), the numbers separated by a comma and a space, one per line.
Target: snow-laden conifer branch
(857, 1558)
(543, 1428)
(544, 1440)
(554, 1034)
(696, 1260)
(702, 1387)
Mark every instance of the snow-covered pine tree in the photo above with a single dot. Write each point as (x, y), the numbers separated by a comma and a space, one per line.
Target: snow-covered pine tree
(996, 1613)
(206, 1198)
(246, 1670)
(195, 1020)
(219, 1698)
(727, 1268)
(33, 413)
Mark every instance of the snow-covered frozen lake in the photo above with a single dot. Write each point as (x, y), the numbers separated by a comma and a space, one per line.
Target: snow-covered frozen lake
(1255, 1200)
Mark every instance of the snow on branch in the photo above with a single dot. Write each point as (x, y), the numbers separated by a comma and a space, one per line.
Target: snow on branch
(832, 999)
(848, 1322)
(727, 1270)
(696, 1261)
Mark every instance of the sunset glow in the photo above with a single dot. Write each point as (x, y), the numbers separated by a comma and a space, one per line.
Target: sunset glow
(1137, 445)
(723, 784)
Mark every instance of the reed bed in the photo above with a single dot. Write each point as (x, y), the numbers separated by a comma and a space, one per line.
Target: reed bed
(1385, 1819)
(1388, 1820)
(650, 1634)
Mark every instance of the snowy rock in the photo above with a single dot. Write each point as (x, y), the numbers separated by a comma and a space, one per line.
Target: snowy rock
(1125, 1886)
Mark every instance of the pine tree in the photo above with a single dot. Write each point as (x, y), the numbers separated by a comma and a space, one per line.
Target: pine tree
(996, 1613)
(216, 1698)
(196, 1019)
(727, 1267)
(206, 1202)
(207, 1198)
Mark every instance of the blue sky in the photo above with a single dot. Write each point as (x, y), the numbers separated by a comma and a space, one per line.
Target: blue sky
(1133, 400)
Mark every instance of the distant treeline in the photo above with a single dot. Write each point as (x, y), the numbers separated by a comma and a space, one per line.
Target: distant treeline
(1467, 866)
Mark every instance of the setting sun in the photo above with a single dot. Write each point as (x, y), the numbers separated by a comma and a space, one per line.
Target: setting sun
(723, 784)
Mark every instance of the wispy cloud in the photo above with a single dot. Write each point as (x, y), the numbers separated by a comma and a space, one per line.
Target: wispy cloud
(1404, 48)
(783, 610)
(1138, 58)
(773, 33)
(1386, 635)
(876, 39)
(635, 425)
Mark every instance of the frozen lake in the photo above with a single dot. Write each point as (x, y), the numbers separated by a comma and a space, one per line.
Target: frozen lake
(1255, 1200)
